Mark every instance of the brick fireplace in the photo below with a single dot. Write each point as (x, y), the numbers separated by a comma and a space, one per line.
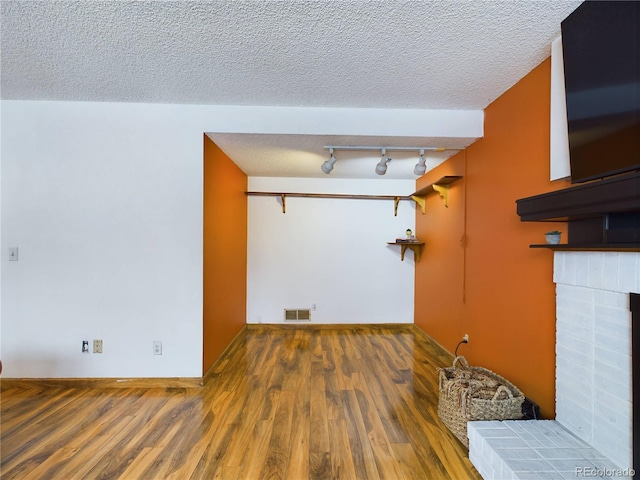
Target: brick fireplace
(597, 277)
(593, 348)
(592, 434)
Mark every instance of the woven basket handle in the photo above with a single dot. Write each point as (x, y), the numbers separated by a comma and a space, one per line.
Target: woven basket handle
(502, 388)
(463, 362)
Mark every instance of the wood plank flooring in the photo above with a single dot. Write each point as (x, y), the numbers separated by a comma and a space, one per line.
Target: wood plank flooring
(356, 402)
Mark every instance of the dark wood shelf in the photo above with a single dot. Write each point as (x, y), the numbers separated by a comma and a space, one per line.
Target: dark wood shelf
(588, 200)
(603, 215)
(620, 247)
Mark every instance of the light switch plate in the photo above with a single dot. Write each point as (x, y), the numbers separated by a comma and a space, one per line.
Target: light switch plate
(13, 254)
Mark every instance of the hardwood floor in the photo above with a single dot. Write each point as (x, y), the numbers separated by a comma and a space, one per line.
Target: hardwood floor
(357, 402)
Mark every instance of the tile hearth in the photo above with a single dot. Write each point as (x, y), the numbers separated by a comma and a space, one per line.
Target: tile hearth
(534, 449)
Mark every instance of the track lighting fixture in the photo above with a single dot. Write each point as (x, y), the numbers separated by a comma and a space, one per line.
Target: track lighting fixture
(421, 166)
(381, 167)
(328, 165)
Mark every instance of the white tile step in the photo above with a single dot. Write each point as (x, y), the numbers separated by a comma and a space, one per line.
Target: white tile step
(535, 449)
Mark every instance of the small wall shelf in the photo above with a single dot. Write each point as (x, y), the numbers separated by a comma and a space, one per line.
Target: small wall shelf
(415, 247)
(441, 186)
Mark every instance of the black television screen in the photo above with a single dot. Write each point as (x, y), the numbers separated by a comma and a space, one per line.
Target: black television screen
(601, 50)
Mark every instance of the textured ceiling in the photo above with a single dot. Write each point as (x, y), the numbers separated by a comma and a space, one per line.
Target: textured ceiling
(302, 155)
(309, 53)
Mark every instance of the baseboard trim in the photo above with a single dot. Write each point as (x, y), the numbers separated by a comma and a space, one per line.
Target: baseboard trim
(218, 365)
(186, 382)
(327, 326)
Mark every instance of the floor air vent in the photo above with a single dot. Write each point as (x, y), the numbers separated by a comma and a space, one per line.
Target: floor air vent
(296, 315)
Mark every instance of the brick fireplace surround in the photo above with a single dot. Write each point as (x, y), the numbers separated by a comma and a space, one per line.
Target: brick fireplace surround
(592, 434)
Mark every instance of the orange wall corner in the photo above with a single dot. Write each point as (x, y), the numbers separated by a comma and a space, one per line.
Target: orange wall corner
(478, 275)
(225, 252)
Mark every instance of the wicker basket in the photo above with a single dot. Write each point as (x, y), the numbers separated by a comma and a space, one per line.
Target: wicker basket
(475, 393)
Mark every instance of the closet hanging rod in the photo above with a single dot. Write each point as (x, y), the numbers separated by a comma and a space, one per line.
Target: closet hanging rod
(329, 195)
(283, 195)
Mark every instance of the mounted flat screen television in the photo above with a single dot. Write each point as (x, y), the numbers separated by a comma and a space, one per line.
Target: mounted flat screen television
(601, 50)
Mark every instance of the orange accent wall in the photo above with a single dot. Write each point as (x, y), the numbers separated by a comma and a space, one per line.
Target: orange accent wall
(478, 274)
(225, 252)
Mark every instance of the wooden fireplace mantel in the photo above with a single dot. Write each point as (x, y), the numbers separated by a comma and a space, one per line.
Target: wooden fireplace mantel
(601, 215)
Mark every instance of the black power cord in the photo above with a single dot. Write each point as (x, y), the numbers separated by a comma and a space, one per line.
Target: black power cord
(464, 340)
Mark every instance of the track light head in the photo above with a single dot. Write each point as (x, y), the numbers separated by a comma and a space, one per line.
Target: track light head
(328, 165)
(381, 167)
(421, 166)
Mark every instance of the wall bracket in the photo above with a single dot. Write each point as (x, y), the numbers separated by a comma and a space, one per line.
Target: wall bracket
(415, 247)
(443, 191)
(420, 201)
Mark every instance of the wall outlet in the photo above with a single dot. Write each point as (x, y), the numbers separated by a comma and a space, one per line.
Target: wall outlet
(157, 347)
(465, 338)
(85, 346)
(314, 307)
(97, 346)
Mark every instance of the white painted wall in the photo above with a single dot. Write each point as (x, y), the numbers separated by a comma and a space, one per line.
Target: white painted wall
(559, 141)
(329, 252)
(105, 205)
(1, 252)
(104, 202)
